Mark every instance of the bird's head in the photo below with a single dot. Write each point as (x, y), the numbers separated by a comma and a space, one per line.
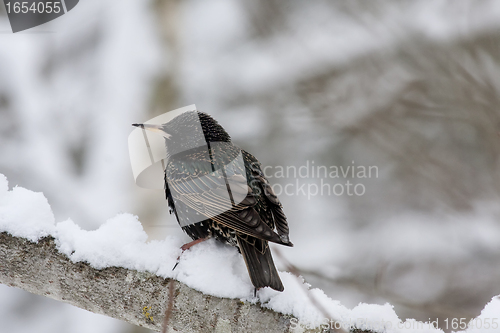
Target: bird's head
(189, 130)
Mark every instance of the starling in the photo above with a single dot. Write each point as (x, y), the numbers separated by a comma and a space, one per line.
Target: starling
(216, 189)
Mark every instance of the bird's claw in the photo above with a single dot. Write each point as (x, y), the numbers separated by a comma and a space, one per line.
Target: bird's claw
(177, 262)
(186, 247)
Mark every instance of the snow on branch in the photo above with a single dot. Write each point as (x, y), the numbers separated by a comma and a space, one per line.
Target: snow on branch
(115, 271)
(139, 298)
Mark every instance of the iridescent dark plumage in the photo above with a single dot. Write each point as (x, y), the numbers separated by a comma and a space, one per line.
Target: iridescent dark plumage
(247, 225)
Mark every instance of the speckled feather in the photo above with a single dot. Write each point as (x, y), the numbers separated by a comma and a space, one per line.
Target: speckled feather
(248, 225)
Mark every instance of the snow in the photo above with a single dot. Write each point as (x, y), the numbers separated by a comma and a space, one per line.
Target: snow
(120, 241)
(294, 300)
(24, 213)
(209, 267)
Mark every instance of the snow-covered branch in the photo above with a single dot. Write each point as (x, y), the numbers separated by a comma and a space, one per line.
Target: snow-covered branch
(139, 298)
(115, 271)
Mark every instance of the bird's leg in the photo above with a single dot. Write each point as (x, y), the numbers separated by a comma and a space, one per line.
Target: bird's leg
(187, 246)
(255, 292)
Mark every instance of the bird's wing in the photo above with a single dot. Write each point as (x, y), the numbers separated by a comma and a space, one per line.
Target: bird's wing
(207, 194)
(275, 205)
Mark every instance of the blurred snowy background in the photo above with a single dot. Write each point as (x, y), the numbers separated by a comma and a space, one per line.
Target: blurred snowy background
(410, 87)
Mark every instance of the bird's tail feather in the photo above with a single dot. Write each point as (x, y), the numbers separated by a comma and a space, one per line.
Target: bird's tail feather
(260, 265)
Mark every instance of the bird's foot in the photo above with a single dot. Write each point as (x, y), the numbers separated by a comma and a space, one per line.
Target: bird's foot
(187, 246)
(177, 262)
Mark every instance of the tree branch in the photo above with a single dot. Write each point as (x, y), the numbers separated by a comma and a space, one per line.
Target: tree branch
(139, 298)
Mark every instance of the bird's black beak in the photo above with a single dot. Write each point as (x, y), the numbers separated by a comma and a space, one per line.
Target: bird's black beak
(154, 128)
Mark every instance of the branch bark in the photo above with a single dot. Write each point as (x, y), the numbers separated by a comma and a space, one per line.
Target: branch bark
(139, 298)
